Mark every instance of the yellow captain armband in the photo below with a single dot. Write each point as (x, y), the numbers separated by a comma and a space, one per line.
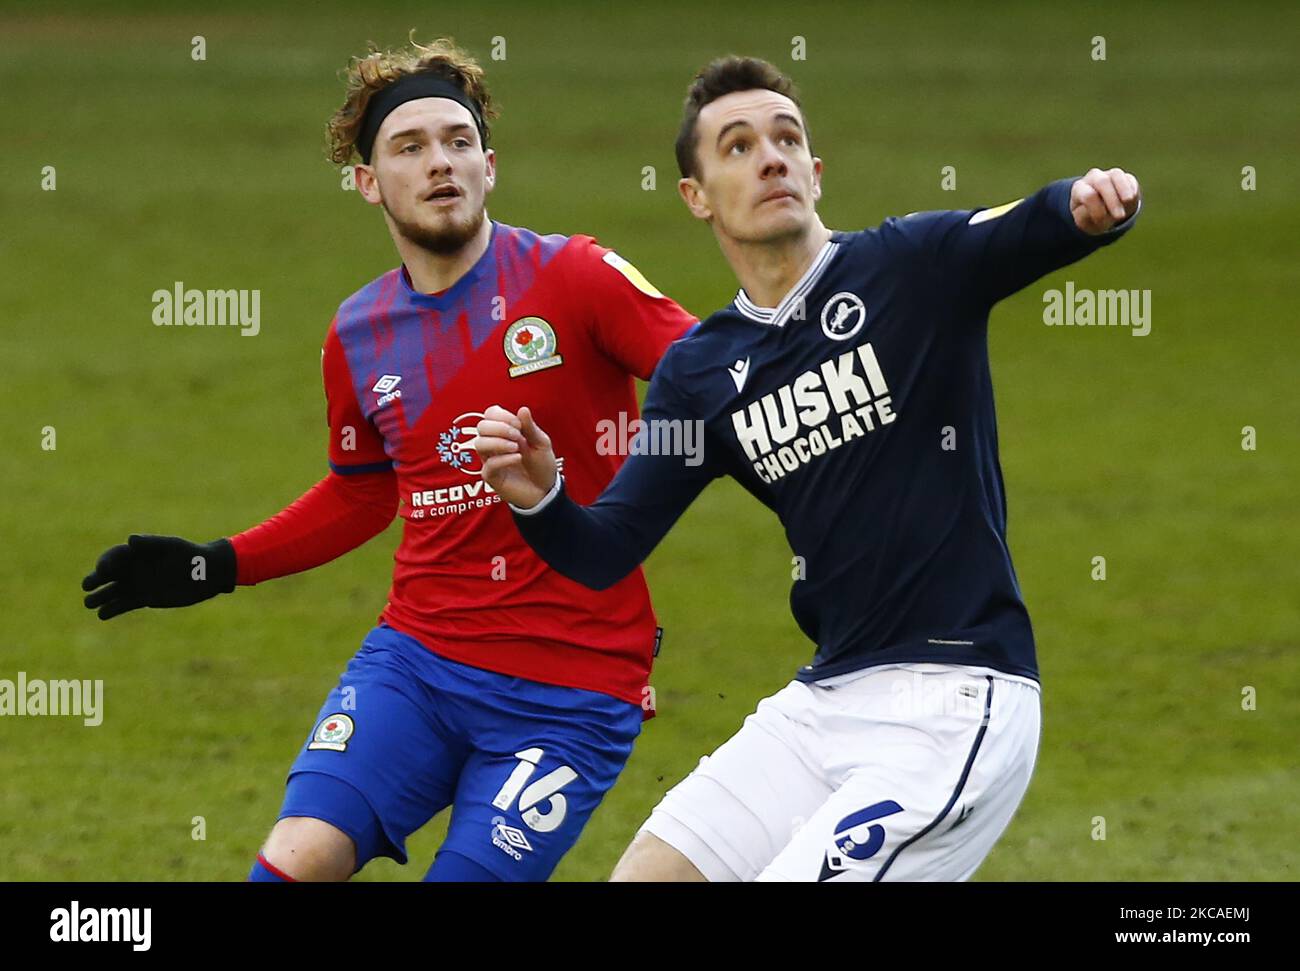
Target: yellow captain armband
(984, 215)
(632, 273)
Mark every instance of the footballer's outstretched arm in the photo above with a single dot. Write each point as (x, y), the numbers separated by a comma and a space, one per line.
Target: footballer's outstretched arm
(600, 544)
(335, 516)
(992, 253)
(353, 503)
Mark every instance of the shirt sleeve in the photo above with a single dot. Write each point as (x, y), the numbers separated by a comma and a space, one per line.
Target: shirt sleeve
(630, 320)
(353, 503)
(355, 445)
(600, 544)
(335, 516)
(992, 253)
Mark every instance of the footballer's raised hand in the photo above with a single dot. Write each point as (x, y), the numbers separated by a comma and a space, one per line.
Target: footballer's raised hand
(517, 458)
(159, 571)
(1102, 200)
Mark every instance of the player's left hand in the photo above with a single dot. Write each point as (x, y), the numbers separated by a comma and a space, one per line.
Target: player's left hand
(1102, 200)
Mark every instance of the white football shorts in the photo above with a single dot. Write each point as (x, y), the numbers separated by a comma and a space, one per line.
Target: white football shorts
(899, 772)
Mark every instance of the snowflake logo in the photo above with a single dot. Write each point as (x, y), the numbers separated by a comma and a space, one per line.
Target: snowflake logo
(454, 444)
(451, 451)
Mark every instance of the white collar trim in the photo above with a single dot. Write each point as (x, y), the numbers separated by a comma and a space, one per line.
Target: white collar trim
(778, 315)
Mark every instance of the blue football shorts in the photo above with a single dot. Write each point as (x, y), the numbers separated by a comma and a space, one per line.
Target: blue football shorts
(407, 733)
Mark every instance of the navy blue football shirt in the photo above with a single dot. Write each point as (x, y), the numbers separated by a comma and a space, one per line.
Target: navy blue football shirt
(860, 410)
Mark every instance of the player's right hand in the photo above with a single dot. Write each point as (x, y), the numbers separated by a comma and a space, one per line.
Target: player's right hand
(159, 571)
(1102, 200)
(518, 461)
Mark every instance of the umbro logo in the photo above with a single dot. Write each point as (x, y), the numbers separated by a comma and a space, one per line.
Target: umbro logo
(739, 372)
(385, 388)
(514, 836)
(509, 839)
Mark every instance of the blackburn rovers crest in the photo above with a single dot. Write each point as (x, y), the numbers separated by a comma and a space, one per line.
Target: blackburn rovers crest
(332, 733)
(530, 346)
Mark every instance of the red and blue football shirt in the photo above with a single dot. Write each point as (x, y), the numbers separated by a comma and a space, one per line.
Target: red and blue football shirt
(560, 324)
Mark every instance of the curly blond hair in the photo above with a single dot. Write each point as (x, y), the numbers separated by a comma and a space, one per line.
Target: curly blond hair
(368, 75)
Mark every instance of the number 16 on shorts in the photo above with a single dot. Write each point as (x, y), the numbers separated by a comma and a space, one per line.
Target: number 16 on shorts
(531, 795)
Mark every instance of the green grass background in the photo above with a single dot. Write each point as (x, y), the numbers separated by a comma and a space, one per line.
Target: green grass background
(212, 173)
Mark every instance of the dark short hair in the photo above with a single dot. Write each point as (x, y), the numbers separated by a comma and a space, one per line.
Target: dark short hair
(726, 75)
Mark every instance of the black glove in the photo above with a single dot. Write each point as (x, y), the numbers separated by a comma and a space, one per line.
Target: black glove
(159, 571)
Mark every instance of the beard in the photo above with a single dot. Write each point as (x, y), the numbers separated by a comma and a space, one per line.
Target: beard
(451, 237)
